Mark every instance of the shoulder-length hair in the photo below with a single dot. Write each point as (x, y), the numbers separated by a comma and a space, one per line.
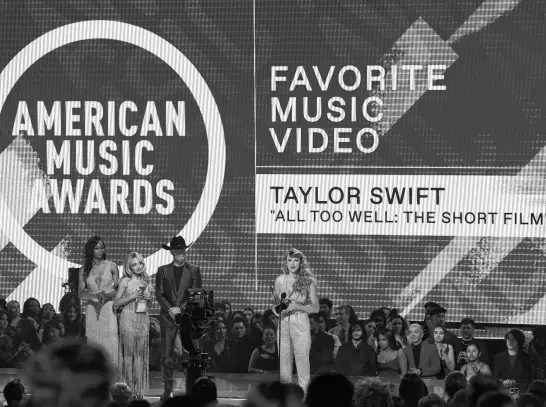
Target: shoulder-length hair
(431, 338)
(518, 336)
(389, 335)
(127, 269)
(28, 334)
(26, 308)
(89, 255)
(305, 276)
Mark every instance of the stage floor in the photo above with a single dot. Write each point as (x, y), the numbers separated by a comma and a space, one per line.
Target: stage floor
(232, 388)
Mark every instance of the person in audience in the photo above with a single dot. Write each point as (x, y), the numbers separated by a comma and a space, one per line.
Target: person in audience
(445, 351)
(98, 283)
(371, 392)
(538, 388)
(14, 313)
(258, 322)
(341, 330)
(322, 346)
(14, 393)
(435, 315)
(240, 347)
(269, 318)
(121, 394)
(537, 352)
(467, 330)
(513, 366)
(454, 382)
(460, 399)
(135, 296)
(265, 359)
(320, 392)
(412, 389)
(248, 313)
(371, 333)
(432, 400)
(391, 359)
(356, 357)
(399, 327)
(387, 311)
(252, 331)
(474, 365)
(47, 314)
(495, 399)
(73, 321)
(272, 394)
(528, 400)
(69, 374)
(326, 308)
(32, 309)
(478, 385)
(398, 401)
(52, 333)
(378, 316)
(322, 328)
(219, 350)
(6, 344)
(26, 342)
(228, 314)
(422, 356)
(204, 389)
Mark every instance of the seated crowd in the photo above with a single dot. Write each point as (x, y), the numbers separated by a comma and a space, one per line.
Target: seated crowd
(383, 345)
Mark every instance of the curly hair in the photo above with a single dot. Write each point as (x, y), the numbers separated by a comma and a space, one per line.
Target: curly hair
(305, 277)
(89, 255)
(127, 269)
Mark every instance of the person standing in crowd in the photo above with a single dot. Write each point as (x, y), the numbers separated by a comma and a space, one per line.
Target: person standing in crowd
(356, 357)
(53, 331)
(467, 337)
(322, 346)
(445, 351)
(326, 308)
(341, 330)
(474, 365)
(14, 313)
(6, 345)
(98, 282)
(378, 316)
(218, 349)
(435, 315)
(372, 333)
(135, 296)
(537, 352)
(265, 359)
(399, 328)
(171, 292)
(73, 321)
(240, 347)
(454, 382)
(299, 285)
(26, 342)
(513, 366)
(322, 328)
(422, 356)
(391, 359)
(15, 393)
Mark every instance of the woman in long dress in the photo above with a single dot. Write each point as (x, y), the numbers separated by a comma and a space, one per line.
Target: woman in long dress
(134, 295)
(97, 287)
(299, 285)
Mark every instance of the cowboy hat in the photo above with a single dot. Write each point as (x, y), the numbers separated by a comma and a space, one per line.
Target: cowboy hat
(177, 243)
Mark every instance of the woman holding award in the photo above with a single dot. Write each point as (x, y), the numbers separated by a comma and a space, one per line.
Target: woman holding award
(134, 295)
(296, 287)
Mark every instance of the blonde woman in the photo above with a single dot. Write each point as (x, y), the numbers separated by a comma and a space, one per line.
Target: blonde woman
(134, 295)
(299, 286)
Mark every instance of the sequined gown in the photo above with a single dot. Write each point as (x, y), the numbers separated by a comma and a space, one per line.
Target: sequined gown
(295, 342)
(102, 329)
(134, 350)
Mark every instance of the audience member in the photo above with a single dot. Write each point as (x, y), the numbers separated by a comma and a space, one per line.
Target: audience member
(52, 332)
(495, 399)
(467, 330)
(538, 388)
(356, 357)
(326, 308)
(204, 389)
(537, 352)
(432, 400)
(398, 401)
(219, 350)
(391, 359)
(322, 347)
(412, 389)
(121, 394)
(372, 333)
(321, 391)
(378, 316)
(474, 365)
(273, 394)
(322, 328)
(479, 385)
(513, 366)
(454, 382)
(265, 359)
(445, 351)
(528, 400)
(341, 330)
(422, 356)
(6, 344)
(240, 347)
(435, 315)
(14, 312)
(400, 328)
(26, 342)
(69, 374)
(32, 309)
(14, 393)
(460, 399)
(371, 392)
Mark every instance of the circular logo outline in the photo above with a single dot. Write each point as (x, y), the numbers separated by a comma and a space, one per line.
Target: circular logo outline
(169, 54)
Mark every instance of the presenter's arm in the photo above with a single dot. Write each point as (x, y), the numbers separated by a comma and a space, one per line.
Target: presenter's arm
(83, 293)
(312, 308)
(197, 283)
(115, 276)
(160, 292)
(120, 302)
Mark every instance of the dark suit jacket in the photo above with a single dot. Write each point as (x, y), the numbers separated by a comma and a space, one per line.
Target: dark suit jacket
(168, 296)
(429, 361)
(360, 361)
(521, 372)
(321, 354)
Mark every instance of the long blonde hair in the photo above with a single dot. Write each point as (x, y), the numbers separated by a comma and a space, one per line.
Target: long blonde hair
(127, 269)
(305, 276)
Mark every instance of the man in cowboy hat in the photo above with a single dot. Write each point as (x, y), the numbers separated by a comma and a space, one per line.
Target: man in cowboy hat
(171, 291)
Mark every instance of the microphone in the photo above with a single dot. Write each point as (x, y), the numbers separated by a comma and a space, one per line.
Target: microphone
(281, 306)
